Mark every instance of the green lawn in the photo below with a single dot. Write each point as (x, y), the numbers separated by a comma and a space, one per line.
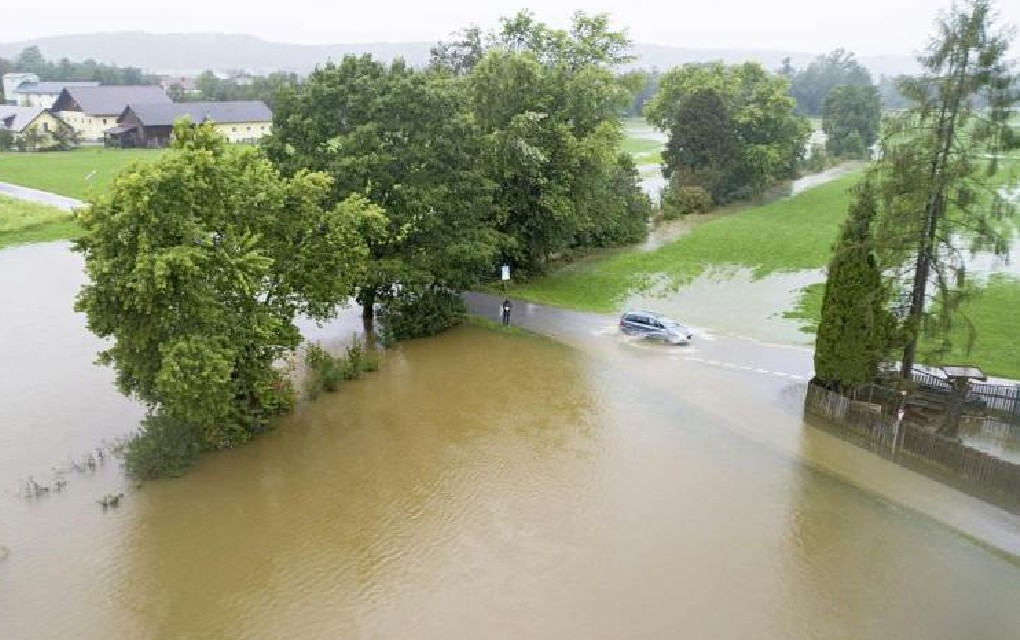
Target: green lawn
(787, 235)
(64, 172)
(22, 222)
(640, 145)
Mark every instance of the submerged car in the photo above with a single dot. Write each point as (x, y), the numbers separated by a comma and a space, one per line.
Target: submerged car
(654, 326)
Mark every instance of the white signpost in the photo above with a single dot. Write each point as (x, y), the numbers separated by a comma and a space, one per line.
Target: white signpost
(506, 272)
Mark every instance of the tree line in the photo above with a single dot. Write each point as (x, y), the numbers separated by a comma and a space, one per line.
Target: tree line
(31, 60)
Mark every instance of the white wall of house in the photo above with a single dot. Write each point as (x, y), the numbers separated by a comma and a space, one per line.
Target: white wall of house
(243, 131)
(44, 100)
(89, 128)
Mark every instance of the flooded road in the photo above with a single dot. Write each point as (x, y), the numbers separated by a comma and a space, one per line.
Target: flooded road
(485, 485)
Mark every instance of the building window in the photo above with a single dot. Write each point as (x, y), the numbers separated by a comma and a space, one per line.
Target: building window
(233, 129)
(104, 120)
(46, 127)
(247, 128)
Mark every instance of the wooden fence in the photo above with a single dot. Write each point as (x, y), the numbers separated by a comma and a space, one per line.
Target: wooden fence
(865, 424)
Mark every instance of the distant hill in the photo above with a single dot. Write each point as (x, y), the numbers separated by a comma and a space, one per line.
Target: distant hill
(194, 52)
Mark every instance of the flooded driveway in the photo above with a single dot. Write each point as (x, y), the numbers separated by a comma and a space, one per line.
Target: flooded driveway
(485, 485)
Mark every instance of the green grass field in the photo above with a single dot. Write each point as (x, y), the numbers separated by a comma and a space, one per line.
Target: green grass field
(639, 145)
(64, 172)
(23, 222)
(993, 314)
(787, 235)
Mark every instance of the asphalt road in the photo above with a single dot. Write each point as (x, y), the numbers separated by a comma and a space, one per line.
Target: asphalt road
(40, 197)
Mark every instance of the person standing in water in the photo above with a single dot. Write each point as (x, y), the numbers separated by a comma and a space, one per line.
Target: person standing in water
(506, 312)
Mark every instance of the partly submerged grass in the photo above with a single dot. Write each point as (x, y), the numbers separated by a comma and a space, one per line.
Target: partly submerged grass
(787, 235)
(23, 222)
(70, 173)
(992, 312)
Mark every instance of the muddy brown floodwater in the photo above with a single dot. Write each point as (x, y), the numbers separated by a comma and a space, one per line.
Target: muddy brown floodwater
(478, 486)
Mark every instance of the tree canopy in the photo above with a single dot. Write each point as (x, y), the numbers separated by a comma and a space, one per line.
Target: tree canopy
(856, 331)
(549, 102)
(198, 263)
(939, 169)
(404, 140)
(732, 129)
(810, 85)
(851, 120)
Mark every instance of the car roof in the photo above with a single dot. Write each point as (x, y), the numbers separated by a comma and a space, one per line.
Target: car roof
(645, 312)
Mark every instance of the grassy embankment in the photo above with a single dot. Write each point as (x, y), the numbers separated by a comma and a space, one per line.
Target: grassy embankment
(23, 222)
(65, 172)
(787, 235)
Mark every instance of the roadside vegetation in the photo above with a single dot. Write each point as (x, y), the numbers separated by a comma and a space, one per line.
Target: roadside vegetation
(23, 222)
(74, 174)
(200, 260)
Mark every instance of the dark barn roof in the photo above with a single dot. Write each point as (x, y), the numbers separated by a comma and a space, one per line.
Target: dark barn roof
(161, 115)
(109, 100)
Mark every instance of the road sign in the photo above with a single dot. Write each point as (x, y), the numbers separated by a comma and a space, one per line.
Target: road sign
(506, 272)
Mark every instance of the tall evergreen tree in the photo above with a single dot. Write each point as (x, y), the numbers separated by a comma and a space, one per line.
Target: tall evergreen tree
(856, 329)
(938, 183)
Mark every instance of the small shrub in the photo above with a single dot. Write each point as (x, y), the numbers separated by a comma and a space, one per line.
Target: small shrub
(817, 160)
(420, 313)
(353, 360)
(370, 363)
(324, 372)
(164, 447)
(682, 200)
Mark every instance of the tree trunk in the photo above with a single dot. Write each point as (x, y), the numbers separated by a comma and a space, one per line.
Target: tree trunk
(921, 270)
(368, 317)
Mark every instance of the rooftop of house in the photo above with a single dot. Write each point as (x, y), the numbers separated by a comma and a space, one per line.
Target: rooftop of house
(16, 119)
(50, 86)
(156, 115)
(109, 99)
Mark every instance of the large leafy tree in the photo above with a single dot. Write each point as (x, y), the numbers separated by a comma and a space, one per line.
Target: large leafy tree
(550, 102)
(198, 263)
(811, 85)
(856, 331)
(851, 119)
(403, 139)
(732, 129)
(939, 171)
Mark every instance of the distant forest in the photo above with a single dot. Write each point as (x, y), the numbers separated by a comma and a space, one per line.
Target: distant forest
(31, 60)
(208, 86)
(808, 85)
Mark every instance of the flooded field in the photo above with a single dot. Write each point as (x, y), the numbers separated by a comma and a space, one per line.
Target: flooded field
(482, 485)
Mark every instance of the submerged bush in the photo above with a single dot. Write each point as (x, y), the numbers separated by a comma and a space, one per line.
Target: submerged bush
(681, 200)
(353, 360)
(418, 314)
(324, 371)
(163, 447)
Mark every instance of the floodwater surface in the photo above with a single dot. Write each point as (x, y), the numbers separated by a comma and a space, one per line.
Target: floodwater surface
(480, 485)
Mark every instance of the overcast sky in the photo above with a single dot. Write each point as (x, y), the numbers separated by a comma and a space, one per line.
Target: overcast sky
(865, 26)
